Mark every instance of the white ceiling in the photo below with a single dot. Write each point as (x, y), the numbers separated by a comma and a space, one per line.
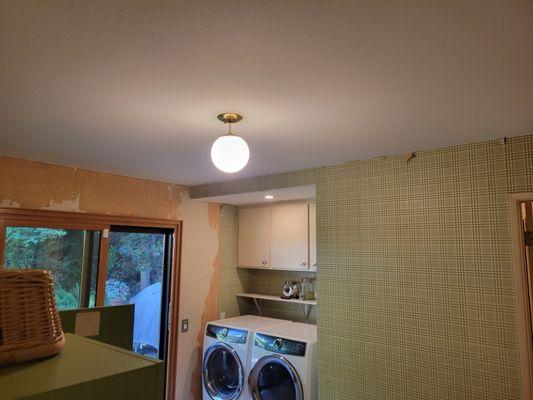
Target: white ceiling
(134, 87)
(293, 193)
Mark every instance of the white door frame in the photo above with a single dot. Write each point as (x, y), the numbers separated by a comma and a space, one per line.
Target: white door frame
(522, 303)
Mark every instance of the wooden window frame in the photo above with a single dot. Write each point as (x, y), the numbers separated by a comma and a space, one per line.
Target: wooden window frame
(87, 221)
(522, 293)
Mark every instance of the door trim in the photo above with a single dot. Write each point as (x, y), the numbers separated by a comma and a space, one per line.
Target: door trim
(74, 220)
(522, 295)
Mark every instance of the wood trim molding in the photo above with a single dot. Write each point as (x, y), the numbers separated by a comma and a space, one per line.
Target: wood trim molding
(172, 362)
(2, 240)
(102, 268)
(521, 285)
(83, 219)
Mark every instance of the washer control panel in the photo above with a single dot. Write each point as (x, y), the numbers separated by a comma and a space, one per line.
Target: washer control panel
(280, 345)
(224, 334)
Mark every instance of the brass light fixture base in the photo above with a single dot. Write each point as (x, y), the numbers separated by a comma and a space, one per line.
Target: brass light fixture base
(229, 118)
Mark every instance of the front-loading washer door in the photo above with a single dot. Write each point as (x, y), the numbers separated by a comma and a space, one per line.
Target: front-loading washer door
(273, 378)
(222, 372)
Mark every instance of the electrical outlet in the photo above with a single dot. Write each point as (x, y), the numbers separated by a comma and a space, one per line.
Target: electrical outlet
(222, 315)
(184, 325)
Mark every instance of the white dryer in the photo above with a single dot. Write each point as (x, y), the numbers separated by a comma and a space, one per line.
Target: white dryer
(226, 356)
(284, 363)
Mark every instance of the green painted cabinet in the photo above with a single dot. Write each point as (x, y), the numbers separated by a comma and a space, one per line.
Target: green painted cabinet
(85, 369)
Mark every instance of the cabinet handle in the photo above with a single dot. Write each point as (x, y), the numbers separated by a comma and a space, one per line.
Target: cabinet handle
(314, 264)
(303, 264)
(264, 262)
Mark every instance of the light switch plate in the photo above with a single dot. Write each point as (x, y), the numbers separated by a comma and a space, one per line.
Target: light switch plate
(87, 323)
(184, 325)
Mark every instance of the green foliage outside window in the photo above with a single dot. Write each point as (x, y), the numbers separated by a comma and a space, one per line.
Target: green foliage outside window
(134, 261)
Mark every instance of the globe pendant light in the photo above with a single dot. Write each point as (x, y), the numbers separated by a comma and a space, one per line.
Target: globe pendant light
(229, 152)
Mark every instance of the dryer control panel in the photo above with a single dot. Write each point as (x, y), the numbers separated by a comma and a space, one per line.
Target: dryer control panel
(280, 345)
(230, 335)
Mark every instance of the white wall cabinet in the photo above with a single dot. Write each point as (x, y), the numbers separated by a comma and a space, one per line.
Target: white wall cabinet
(254, 237)
(278, 236)
(289, 236)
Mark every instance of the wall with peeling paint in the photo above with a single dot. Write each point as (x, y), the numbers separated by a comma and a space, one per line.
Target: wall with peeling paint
(35, 185)
(30, 184)
(199, 290)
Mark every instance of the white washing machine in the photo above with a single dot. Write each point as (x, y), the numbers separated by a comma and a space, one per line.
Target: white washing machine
(226, 356)
(283, 363)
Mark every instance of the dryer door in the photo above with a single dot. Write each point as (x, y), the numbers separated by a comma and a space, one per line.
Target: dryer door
(273, 378)
(222, 372)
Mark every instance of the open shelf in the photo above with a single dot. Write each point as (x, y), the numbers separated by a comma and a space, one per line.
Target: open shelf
(258, 298)
(295, 269)
(276, 298)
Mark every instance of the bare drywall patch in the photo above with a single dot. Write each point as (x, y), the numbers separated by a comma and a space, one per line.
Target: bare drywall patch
(213, 212)
(9, 204)
(65, 205)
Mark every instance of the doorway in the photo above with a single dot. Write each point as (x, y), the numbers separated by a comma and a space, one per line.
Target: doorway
(526, 214)
(138, 270)
(521, 215)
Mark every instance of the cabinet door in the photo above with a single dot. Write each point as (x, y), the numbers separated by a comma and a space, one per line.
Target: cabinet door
(312, 235)
(290, 236)
(254, 237)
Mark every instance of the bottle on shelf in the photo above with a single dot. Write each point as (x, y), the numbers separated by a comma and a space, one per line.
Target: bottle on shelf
(305, 287)
(312, 289)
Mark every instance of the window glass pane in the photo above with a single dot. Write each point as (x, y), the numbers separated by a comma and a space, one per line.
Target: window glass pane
(135, 270)
(60, 251)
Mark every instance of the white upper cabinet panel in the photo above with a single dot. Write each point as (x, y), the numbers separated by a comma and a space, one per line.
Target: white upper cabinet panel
(290, 236)
(254, 237)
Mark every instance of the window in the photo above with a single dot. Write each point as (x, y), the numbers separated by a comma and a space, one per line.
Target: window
(99, 260)
(70, 254)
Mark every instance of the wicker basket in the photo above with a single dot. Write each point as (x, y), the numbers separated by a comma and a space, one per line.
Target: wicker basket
(30, 327)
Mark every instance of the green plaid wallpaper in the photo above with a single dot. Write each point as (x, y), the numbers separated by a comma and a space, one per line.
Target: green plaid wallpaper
(415, 281)
(271, 282)
(231, 279)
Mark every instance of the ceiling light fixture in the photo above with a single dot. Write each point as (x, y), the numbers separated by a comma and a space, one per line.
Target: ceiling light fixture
(229, 152)
(269, 197)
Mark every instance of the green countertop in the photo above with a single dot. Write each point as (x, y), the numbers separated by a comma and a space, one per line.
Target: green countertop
(85, 368)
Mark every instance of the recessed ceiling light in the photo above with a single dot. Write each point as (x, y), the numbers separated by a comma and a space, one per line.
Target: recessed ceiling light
(269, 197)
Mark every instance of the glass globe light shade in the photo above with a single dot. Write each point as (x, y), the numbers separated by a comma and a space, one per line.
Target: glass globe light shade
(230, 153)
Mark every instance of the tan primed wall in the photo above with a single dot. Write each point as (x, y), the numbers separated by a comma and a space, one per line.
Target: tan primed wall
(198, 290)
(30, 184)
(35, 185)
